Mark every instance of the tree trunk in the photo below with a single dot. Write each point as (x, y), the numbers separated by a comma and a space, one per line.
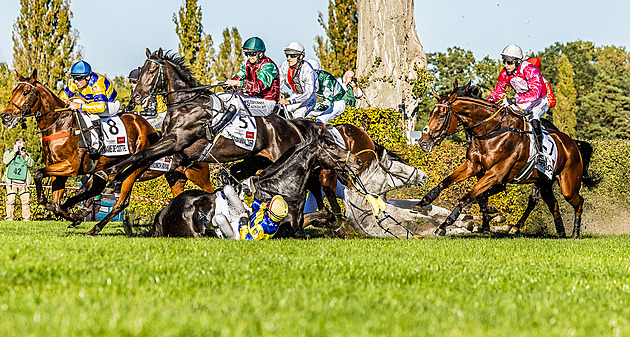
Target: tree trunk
(387, 31)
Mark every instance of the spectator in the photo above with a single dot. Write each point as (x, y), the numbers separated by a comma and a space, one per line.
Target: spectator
(353, 95)
(17, 177)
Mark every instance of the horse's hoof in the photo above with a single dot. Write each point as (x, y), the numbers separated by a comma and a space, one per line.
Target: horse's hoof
(439, 232)
(101, 175)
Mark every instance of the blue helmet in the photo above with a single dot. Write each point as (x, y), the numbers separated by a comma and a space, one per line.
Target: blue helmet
(80, 68)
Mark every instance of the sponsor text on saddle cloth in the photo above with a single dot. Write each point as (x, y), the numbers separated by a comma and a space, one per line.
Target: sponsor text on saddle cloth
(547, 160)
(114, 134)
(545, 163)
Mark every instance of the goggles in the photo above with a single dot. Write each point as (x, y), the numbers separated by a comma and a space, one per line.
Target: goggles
(291, 56)
(251, 53)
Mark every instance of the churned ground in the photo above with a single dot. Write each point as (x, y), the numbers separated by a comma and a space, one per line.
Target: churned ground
(55, 282)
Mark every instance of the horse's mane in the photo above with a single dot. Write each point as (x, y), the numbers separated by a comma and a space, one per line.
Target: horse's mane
(181, 65)
(392, 155)
(472, 91)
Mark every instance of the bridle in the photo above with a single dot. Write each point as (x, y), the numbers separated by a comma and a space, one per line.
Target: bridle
(26, 110)
(443, 130)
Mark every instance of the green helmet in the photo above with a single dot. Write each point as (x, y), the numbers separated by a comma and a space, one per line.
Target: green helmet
(254, 43)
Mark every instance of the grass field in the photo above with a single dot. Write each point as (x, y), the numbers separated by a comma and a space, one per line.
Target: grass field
(55, 282)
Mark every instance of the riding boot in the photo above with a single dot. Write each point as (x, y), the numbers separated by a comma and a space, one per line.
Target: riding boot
(538, 136)
(213, 131)
(101, 140)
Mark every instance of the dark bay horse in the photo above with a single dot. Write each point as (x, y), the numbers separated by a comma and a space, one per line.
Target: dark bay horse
(287, 177)
(62, 156)
(498, 152)
(190, 104)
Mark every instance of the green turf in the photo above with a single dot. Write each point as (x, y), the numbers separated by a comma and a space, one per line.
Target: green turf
(55, 282)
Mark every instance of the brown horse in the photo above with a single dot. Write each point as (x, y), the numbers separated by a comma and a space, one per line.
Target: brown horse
(189, 105)
(62, 156)
(498, 151)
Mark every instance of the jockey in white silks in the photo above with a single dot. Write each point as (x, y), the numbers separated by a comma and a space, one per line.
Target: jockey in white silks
(298, 76)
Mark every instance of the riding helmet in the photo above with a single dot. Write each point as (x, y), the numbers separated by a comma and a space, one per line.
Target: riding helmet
(278, 208)
(294, 48)
(134, 75)
(512, 52)
(254, 44)
(80, 68)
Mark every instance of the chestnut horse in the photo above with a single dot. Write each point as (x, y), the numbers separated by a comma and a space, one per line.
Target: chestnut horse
(190, 104)
(62, 156)
(498, 151)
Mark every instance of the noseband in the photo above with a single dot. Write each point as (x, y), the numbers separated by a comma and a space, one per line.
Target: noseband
(443, 130)
(26, 108)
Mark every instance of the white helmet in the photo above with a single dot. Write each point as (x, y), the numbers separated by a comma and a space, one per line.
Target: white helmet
(315, 64)
(294, 48)
(512, 52)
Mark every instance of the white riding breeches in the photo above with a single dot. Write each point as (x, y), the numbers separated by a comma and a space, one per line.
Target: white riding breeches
(301, 110)
(336, 110)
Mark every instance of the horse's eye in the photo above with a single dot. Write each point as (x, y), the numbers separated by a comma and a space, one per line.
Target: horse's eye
(25, 92)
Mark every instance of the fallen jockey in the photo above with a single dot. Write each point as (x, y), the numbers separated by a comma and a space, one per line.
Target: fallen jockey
(232, 220)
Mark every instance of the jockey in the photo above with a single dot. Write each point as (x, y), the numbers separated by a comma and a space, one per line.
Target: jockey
(265, 219)
(330, 92)
(155, 112)
(233, 221)
(99, 95)
(299, 76)
(259, 80)
(551, 98)
(528, 83)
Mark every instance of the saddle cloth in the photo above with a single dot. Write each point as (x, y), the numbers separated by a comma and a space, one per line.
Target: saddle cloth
(163, 164)
(114, 135)
(242, 130)
(549, 157)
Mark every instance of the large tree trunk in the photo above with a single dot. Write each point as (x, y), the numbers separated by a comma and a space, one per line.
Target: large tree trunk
(387, 30)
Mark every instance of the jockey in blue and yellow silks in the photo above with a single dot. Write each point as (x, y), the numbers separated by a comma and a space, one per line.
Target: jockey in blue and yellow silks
(97, 93)
(265, 219)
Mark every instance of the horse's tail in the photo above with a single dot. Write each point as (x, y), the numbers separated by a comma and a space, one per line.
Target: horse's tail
(586, 150)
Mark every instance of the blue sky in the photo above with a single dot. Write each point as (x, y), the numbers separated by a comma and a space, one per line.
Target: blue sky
(115, 33)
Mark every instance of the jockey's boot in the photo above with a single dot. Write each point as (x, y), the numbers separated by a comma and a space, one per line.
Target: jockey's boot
(213, 130)
(100, 148)
(538, 136)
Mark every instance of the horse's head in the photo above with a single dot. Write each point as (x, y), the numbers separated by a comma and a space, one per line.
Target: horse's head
(400, 174)
(152, 78)
(25, 101)
(332, 156)
(442, 122)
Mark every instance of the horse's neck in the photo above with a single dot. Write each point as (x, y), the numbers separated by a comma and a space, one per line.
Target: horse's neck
(50, 101)
(374, 179)
(483, 117)
(288, 178)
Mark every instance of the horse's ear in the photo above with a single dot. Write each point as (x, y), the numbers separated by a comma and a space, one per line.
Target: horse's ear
(160, 53)
(436, 96)
(452, 98)
(384, 156)
(34, 76)
(19, 76)
(455, 84)
(467, 86)
(148, 53)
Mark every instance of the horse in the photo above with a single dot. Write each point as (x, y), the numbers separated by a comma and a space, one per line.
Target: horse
(63, 157)
(190, 104)
(498, 152)
(287, 177)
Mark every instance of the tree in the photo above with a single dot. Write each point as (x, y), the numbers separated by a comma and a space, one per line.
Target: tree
(194, 45)
(390, 59)
(230, 57)
(43, 39)
(566, 96)
(338, 52)
(456, 64)
(7, 83)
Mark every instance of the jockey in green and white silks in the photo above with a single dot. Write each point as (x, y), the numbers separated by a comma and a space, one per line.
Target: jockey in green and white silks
(330, 92)
(298, 76)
